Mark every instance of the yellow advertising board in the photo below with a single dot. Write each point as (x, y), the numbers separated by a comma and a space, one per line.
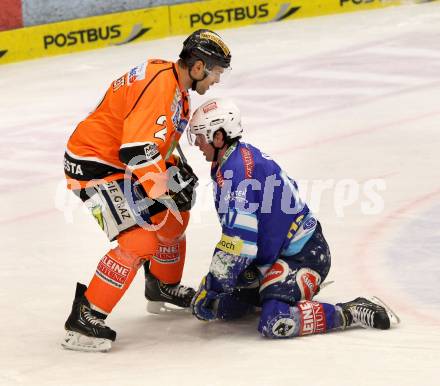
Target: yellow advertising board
(154, 23)
(83, 34)
(218, 14)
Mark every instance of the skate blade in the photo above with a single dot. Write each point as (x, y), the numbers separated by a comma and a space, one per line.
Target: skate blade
(158, 308)
(326, 284)
(79, 342)
(394, 319)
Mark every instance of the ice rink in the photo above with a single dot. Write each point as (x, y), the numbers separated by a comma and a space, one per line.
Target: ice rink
(349, 105)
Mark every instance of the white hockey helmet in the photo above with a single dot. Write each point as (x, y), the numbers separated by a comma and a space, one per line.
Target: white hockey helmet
(214, 115)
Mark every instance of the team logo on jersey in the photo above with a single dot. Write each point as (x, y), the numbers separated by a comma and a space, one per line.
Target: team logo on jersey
(112, 272)
(277, 273)
(313, 318)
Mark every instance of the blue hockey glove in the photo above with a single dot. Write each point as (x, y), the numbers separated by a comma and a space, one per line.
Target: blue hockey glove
(204, 302)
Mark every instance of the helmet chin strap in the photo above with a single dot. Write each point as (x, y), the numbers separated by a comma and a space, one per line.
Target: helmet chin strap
(216, 152)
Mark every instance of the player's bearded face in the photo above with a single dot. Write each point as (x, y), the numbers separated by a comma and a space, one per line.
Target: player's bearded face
(212, 76)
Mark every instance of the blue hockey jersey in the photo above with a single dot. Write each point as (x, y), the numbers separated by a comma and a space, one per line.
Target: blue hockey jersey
(260, 211)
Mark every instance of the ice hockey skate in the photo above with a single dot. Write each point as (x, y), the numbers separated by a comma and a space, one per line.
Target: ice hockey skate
(86, 330)
(368, 313)
(162, 297)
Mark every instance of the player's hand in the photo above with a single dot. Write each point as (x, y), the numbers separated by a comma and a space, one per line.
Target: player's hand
(205, 301)
(182, 183)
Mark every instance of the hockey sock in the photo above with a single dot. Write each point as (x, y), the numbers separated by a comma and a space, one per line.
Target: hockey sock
(280, 320)
(168, 262)
(113, 276)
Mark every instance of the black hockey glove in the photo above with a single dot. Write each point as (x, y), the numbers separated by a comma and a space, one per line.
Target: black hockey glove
(182, 183)
(247, 289)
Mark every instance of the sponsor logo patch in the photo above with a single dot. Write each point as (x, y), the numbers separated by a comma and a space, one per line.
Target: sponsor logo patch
(182, 125)
(112, 272)
(216, 39)
(168, 254)
(219, 178)
(312, 318)
(209, 107)
(97, 214)
(151, 151)
(136, 73)
(310, 223)
(248, 161)
(308, 282)
(118, 83)
(283, 327)
(119, 202)
(176, 107)
(72, 168)
(277, 273)
(231, 245)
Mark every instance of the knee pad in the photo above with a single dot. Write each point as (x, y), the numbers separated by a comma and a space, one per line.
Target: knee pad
(278, 320)
(173, 225)
(138, 242)
(289, 282)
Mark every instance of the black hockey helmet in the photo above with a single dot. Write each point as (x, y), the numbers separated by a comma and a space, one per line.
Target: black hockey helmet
(207, 46)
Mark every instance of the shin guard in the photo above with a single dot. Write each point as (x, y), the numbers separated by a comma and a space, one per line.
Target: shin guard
(113, 276)
(280, 320)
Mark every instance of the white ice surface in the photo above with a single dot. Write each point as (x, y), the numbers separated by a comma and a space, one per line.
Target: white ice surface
(353, 96)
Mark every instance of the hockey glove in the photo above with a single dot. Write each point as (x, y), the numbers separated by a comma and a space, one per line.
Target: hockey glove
(208, 304)
(204, 302)
(182, 183)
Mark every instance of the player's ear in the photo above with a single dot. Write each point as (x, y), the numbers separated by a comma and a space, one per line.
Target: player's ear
(198, 68)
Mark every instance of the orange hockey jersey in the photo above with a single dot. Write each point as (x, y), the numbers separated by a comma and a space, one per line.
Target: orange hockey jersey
(136, 126)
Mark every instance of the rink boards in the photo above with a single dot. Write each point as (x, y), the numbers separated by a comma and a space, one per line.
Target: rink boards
(154, 23)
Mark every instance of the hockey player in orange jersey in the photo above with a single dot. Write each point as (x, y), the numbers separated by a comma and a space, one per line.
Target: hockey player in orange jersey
(120, 162)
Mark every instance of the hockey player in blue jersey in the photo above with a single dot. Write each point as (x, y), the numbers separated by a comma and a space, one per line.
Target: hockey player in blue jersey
(272, 252)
